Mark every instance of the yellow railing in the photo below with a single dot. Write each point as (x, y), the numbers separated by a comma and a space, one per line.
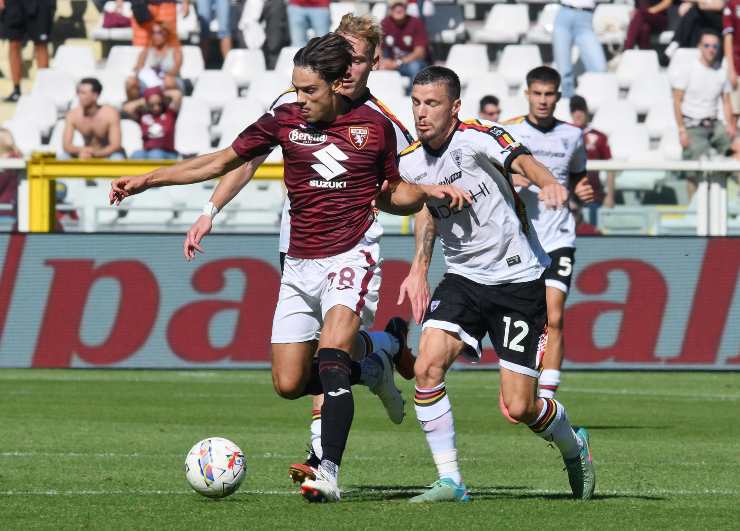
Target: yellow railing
(44, 168)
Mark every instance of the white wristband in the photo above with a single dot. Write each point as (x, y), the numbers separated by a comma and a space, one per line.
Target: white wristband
(210, 210)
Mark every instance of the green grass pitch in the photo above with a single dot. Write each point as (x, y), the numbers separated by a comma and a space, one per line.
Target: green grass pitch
(105, 450)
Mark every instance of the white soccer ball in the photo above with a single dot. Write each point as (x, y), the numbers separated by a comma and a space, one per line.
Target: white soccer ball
(215, 467)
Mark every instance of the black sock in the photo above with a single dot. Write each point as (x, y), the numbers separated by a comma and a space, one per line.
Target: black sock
(339, 405)
(314, 387)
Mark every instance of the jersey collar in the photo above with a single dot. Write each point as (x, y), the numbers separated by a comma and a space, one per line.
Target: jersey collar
(555, 123)
(441, 149)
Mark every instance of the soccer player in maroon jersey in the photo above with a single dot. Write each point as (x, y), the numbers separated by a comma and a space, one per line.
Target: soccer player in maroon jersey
(339, 158)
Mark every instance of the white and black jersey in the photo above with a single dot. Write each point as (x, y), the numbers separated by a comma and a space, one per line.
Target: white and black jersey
(559, 148)
(489, 241)
(403, 140)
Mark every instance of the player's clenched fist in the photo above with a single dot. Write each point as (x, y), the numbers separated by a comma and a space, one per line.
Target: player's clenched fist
(123, 187)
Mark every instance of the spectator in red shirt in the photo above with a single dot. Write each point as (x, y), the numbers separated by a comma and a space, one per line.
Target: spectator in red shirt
(305, 14)
(649, 18)
(597, 148)
(730, 26)
(405, 41)
(156, 113)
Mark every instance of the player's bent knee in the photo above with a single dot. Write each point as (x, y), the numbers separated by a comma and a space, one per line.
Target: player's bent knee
(428, 372)
(287, 387)
(521, 409)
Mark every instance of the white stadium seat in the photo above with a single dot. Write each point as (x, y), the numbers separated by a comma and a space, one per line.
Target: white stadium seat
(562, 110)
(670, 145)
(630, 143)
(195, 110)
(237, 114)
(653, 89)
(26, 135)
(192, 62)
(661, 117)
(268, 87)
(191, 137)
(38, 110)
(338, 9)
(122, 58)
(682, 57)
(259, 205)
(76, 60)
(488, 83)
(244, 65)
(214, 87)
(130, 137)
(619, 114)
(513, 107)
(516, 60)
(114, 87)
(504, 23)
(635, 65)
(598, 88)
(468, 60)
(148, 209)
(541, 32)
(113, 34)
(386, 84)
(56, 85)
(56, 142)
(610, 22)
(284, 64)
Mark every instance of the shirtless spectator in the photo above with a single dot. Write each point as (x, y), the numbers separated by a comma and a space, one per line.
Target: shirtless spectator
(156, 113)
(100, 126)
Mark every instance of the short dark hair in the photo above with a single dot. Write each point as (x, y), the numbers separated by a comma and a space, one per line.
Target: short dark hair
(543, 74)
(329, 56)
(708, 31)
(95, 85)
(440, 74)
(488, 99)
(578, 103)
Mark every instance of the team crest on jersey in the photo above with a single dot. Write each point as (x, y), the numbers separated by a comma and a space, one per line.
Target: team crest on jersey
(456, 155)
(307, 137)
(358, 136)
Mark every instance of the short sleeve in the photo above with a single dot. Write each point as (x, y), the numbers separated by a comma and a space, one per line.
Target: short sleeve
(726, 87)
(604, 149)
(257, 139)
(578, 160)
(727, 26)
(500, 147)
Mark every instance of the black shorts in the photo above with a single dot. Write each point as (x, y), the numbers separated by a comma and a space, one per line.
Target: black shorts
(513, 315)
(28, 19)
(560, 272)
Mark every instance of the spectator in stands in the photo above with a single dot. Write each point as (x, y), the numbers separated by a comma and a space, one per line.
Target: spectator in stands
(574, 25)
(220, 10)
(25, 20)
(697, 90)
(305, 14)
(649, 18)
(405, 41)
(277, 31)
(8, 178)
(489, 108)
(100, 125)
(731, 26)
(156, 113)
(597, 148)
(163, 12)
(158, 65)
(696, 16)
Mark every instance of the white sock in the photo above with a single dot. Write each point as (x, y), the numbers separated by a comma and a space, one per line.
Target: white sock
(383, 341)
(548, 383)
(553, 425)
(440, 430)
(316, 434)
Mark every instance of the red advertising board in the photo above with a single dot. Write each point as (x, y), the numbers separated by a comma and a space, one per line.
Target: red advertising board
(121, 301)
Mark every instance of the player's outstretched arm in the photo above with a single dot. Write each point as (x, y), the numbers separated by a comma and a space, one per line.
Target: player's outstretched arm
(553, 194)
(190, 171)
(402, 198)
(227, 188)
(416, 286)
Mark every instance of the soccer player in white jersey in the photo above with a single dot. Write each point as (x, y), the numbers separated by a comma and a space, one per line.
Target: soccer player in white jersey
(493, 284)
(559, 146)
(364, 35)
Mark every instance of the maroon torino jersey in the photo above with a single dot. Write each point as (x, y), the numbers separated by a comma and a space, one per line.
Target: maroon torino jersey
(332, 173)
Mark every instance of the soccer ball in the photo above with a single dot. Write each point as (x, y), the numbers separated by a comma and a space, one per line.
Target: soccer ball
(215, 467)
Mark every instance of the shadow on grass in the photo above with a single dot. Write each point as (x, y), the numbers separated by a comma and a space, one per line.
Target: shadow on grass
(605, 427)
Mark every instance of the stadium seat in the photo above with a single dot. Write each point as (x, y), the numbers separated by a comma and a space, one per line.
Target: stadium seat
(516, 61)
(152, 208)
(122, 58)
(130, 137)
(468, 61)
(284, 64)
(598, 88)
(78, 61)
(504, 23)
(610, 22)
(636, 65)
(653, 90)
(386, 85)
(236, 115)
(258, 206)
(268, 87)
(562, 110)
(191, 137)
(113, 34)
(541, 32)
(624, 220)
(37, 110)
(192, 62)
(114, 87)
(513, 107)
(56, 85)
(244, 65)
(338, 9)
(630, 143)
(214, 87)
(670, 145)
(56, 142)
(612, 117)
(479, 86)
(26, 135)
(379, 11)
(660, 117)
(187, 27)
(195, 110)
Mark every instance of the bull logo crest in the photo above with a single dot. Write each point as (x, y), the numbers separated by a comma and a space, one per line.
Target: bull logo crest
(358, 136)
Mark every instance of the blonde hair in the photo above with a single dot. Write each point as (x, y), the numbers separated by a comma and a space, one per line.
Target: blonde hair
(7, 144)
(362, 27)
